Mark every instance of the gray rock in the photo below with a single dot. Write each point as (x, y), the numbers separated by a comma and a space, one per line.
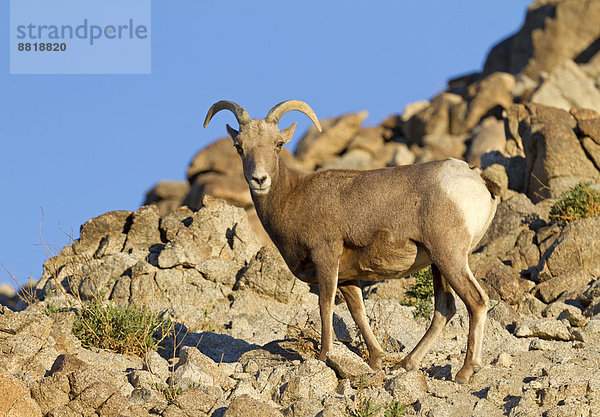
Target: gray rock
(317, 149)
(156, 365)
(407, 387)
(167, 195)
(267, 274)
(311, 379)
(488, 136)
(551, 289)
(244, 406)
(303, 408)
(143, 232)
(555, 158)
(547, 329)
(103, 235)
(578, 247)
(568, 87)
(346, 363)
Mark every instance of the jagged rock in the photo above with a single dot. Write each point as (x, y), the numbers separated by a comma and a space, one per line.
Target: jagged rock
(267, 274)
(143, 231)
(504, 360)
(392, 154)
(156, 365)
(407, 387)
(144, 379)
(503, 314)
(195, 369)
(22, 337)
(484, 96)
(346, 363)
(547, 329)
(551, 289)
(588, 123)
(303, 408)
(369, 140)
(568, 87)
(555, 158)
(573, 316)
(504, 282)
(435, 118)
(167, 195)
(311, 379)
(442, 146)
(512, 217)
(196, 402)
(488, 136)
(244, 406)
(553, 30)
(497, 174)
(316, 149)
(103, 235)
(354, 159)
(577, 247)
(15, 400)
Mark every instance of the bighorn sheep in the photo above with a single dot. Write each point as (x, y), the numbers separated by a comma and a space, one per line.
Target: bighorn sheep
(339, 227)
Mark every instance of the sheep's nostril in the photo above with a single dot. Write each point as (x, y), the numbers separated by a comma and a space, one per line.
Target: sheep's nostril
(260, 180)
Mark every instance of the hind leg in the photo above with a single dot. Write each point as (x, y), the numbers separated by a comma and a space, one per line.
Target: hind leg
(353, 295)
(444, 310)
(460, 277)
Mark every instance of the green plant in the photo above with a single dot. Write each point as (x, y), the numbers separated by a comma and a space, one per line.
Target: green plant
(421, 293)
(122, 330)
(367, 408)
(579, 202)
(170, 392)
(394, 409)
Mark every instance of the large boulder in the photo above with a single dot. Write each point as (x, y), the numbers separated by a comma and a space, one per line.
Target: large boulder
(553, 30)
(317, 149)
(568, 87)
(555, 158)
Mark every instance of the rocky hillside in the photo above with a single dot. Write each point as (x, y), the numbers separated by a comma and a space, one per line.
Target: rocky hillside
(244, 331)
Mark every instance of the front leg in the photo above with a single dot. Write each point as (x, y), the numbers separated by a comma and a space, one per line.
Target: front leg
(327, 278)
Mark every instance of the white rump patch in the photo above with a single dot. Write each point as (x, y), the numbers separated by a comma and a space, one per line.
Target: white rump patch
(466, 189)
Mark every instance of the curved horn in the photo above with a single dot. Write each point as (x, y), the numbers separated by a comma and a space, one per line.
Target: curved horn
(285, 106)
(240, 114)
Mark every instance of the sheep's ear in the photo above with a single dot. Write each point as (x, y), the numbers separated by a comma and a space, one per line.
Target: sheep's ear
(232, 132)
(288, 133)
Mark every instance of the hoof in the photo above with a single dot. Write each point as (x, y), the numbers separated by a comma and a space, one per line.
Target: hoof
(407, 364)
(464, 375)
(376, 363)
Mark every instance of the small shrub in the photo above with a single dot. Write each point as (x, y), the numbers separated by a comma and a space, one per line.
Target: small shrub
(122, 330)
(170, 392)
(367, 408)
(394, 409)
(579, 202)
(421, 293)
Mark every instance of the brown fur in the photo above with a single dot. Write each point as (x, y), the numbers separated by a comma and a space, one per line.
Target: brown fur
(341, 226)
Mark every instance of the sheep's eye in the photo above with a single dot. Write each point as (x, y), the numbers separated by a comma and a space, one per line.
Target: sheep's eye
(279, 145)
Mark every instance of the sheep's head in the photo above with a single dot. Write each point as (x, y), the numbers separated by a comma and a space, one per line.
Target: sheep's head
(259, 141)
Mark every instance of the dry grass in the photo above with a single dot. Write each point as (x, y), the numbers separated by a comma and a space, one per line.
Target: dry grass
(579, 202)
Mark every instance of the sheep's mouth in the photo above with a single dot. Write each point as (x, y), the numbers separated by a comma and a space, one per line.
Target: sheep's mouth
(260, 191)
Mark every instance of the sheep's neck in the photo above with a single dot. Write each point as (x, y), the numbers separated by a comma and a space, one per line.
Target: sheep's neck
(270, 206)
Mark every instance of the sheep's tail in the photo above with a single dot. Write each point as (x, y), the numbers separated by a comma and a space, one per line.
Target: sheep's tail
(492, 186)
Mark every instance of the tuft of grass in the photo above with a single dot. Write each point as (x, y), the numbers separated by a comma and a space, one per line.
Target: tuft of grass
(579, 202)
(395, 409)
(121, 330)
(367, 408)
(421, 293)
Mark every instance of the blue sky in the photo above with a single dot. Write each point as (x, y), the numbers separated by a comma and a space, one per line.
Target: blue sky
(76, 146)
